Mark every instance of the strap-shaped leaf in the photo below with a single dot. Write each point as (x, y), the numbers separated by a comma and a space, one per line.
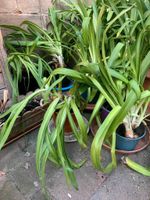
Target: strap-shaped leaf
(97, 107)
(9, 123)
(43, 130)
(99, 139)
(82, 126)
(137, 167)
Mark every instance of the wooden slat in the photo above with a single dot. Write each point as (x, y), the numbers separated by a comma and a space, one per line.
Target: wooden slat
(3, 80)
(2, 85)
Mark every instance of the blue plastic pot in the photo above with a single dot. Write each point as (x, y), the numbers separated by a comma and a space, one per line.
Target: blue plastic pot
(128, 144)
(67, 86)
(123, 143)
(65, 89)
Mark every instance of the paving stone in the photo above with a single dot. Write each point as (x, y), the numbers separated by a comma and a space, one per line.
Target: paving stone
(88, 179)
(14, 155)
(24, 181)
(124, 184)
(40, 196)
(8, 190)
(86, 174)
(11, 157)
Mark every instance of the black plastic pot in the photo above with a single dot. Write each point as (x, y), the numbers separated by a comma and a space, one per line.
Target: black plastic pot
(90, 106)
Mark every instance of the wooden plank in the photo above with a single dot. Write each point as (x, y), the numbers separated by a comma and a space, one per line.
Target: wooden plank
(1, 81)
(3, 58)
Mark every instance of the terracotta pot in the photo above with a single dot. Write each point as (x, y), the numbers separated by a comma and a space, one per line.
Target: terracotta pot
(67, 126)
(147, 86)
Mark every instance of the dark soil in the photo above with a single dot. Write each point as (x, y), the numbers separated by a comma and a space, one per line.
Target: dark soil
(138, 131)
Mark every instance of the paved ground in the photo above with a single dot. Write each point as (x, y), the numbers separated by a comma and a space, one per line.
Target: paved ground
(21, 181)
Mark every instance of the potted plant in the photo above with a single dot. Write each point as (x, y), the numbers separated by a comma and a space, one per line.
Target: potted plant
(120, 82)
(108, 62)
(37, 51)
(50, 146)
(116, 65)
(50, 143)
(132, 108)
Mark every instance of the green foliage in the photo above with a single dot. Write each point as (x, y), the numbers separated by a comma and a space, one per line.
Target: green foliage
(109, 42)
(113, 47)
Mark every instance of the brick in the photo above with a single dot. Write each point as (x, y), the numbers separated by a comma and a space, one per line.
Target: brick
(45, 4)
(8, 6)
(16, 19)
(28, 6)
(1, 81)
(45, 20)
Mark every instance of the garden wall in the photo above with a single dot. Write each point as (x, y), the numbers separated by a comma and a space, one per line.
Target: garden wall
(15, 11)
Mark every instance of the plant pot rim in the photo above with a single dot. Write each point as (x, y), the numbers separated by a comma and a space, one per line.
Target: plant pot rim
(65, 88)
(131, 139)
(134, 139)
(142, 144)
(139, 147)
(67, 138)
(105, 109)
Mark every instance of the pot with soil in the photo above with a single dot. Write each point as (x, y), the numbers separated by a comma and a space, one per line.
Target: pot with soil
(68, 131)
(128, 143)
(91, 97)
(131, 136)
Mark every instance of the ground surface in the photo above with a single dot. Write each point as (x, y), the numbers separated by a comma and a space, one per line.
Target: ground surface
(21, 182)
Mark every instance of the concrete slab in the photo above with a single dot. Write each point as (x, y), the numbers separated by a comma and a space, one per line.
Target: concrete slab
(9, 191)
(89, 180)
(125, 184)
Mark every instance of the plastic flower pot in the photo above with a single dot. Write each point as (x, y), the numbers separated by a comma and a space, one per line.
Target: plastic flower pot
(66, 85)
(124, 143)
(85, 96)
(90, 106)
(142, 144)
(68, 133)
(129, 144)
(105, 110)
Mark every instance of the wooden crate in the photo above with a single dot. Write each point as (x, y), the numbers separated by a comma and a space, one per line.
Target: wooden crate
(28, 121)
(4, 85)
